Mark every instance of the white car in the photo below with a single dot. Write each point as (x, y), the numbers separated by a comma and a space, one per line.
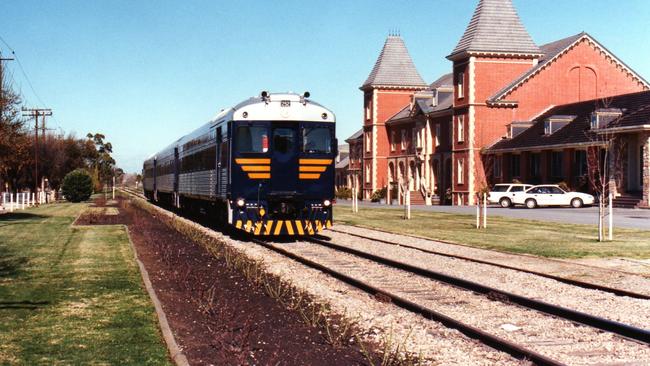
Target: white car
(551, 195)
(503, 193)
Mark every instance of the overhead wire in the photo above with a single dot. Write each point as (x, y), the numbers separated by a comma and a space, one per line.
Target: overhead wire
(29, 82)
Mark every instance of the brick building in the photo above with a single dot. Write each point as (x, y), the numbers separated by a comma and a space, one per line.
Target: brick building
(431, 137)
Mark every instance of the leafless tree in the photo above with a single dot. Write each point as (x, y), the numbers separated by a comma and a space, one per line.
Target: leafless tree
(604, 157)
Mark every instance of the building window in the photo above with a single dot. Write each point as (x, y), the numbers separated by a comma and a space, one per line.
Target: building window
(460, 86)
(556, 164)
(418, 138)
(460, 174)
(368, 142)
(368, 111)
(580, 163)
(403, 141)
(460, 134)
(496, 167)
(535, 165)
(437, 134)
(368, 173)
(515, 165)
(393, 143)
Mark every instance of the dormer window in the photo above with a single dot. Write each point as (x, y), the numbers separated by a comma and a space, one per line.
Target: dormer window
(517, 127)
(555, 123)
(602, 117)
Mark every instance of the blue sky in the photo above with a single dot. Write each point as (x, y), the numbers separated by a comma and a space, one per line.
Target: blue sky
(146, 72)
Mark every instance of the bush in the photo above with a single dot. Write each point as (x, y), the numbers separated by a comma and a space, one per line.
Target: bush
(378, 195)
(77, 186)
(344, 193)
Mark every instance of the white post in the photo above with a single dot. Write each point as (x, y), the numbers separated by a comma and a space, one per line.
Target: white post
(4, 200)
(22, 201)
(113, 187)
(484, 211)
(610, 232)
(478, 214)
(408, 204)
(33, 199)
(11, 202)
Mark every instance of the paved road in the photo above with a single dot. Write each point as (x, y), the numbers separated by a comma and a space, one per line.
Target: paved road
(623, 217)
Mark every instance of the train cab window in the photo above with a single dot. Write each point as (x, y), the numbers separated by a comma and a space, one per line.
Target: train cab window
(283, 140)
(316, 140)
(252, 139)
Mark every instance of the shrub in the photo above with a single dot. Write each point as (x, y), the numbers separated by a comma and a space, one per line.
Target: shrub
(344, 193)
(77, 186)
(378, 195)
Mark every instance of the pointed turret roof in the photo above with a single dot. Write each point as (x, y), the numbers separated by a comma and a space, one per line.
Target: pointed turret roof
(495, 27)
(394, 67)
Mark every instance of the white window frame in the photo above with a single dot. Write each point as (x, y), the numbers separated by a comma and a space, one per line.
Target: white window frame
(460, 174)
(460, 85)
(403, 141)
(368, 172)
(460, 128)
(393, 143)
(438, 134)
(368, 142)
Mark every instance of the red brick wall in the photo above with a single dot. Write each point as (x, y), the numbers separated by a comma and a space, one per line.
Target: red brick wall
(583, 73)
(389, 102)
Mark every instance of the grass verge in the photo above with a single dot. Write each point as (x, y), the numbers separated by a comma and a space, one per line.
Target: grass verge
(540, 238)
(72, 295)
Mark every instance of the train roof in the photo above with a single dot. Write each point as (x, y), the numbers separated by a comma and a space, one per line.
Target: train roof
(265, 107)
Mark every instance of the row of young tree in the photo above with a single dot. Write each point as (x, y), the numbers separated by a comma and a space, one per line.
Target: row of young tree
(58, 154)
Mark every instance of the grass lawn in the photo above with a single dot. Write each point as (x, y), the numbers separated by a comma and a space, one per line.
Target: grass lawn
(72, 296)
(503, 234)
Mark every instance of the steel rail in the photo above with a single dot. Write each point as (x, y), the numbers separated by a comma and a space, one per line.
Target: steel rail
(578, 283)
(488, 339)
(625, 330)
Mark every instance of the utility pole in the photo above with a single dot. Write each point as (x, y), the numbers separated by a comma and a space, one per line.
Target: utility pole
(36, 112)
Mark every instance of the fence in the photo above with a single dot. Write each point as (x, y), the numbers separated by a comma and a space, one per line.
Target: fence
(22, 200)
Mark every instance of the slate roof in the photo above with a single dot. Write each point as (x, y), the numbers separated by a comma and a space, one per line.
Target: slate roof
(636, 108)
(445, 81)
(394, 67)
(551, 51)
(495, 27)
(356, 135)
(445, 102)
(343, 163)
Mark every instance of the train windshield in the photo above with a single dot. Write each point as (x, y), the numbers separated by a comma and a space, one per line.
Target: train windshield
(317, 140)
(252, 139)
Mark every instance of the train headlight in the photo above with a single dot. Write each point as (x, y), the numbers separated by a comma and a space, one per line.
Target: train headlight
(241, 202)
(327, 203)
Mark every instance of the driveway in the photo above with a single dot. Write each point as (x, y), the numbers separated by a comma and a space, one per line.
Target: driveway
(623, 217)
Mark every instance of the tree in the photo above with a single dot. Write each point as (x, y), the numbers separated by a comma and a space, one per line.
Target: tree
(604, 157)
(77, 186)
(14, 141)
(101, 162)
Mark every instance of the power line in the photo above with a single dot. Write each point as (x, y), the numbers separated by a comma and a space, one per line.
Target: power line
(29, 82)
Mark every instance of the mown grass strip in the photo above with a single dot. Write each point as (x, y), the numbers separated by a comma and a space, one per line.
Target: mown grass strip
(71, 295)
(547, 239)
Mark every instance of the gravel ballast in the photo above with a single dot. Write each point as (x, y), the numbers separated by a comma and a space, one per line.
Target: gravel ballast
(635, 312)
(556, 338)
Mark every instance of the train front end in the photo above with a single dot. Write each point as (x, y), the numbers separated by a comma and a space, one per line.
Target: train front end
(282, 167)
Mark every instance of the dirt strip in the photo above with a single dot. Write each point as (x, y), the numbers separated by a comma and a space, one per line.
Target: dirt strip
(216, 315)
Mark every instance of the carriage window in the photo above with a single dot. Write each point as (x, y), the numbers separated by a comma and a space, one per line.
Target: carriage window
(283, 140)
(253, 139)
(316, 140)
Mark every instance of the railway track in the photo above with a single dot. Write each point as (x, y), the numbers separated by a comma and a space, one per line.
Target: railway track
(418, 298)
(573, 282)
(404, 287)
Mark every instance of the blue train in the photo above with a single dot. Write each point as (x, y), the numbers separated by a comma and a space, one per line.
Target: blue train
(264, 166)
